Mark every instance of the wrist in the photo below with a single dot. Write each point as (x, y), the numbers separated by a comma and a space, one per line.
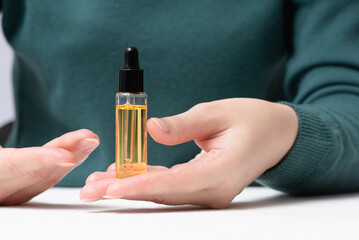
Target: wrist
(288, 126)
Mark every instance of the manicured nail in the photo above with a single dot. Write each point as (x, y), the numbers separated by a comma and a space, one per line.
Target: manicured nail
(162, 124)
(88, 144)
(65, 164)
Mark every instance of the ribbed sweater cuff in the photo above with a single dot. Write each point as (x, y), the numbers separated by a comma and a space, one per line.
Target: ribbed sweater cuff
(314, 141)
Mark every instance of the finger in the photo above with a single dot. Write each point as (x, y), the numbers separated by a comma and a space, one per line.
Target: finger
(34, 183)
(97, 183)
(199, 122)
(199, 155)
(41, 177)
(25, 193)
(94, 191)
(184, 178)
(81, 143)
(12, 199)
(96, 176)
(27, 166)
(207, 197)
(111, 173)
(19, 162)
(192, 176)
(112, 167)
(194, 198)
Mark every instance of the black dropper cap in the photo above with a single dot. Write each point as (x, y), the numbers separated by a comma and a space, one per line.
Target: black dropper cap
(131, 76)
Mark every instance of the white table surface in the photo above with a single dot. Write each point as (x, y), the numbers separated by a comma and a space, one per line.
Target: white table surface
(257, 213)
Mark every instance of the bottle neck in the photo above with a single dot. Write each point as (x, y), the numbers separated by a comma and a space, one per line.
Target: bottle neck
(135, 99)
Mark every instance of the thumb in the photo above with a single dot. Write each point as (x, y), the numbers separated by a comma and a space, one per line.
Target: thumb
(198, 123)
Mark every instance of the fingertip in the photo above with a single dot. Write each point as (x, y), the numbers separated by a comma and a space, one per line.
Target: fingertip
(86, 133)
(88, 145)
(93, 177)
(158, 134)
(81, 194)
(94, 190)
(112, 167)
(162, 124)
(87, 192)
(89, 179)
(70, 139)
(86, 140)
(153, 129)
(152, 126)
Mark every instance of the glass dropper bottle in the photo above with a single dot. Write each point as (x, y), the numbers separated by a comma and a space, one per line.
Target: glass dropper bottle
(131, 118)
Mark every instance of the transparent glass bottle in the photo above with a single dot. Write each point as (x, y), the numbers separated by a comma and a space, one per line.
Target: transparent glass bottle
(131, 119)
(131, 134)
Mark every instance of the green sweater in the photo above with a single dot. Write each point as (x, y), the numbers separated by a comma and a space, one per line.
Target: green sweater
(303, 53)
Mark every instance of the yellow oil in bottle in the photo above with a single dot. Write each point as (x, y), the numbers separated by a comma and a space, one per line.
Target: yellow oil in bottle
(131, 140)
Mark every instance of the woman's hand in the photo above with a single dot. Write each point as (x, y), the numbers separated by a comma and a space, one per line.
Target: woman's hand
(27, 172)
(240, 139)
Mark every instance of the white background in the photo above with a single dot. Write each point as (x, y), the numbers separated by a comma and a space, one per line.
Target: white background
(6, 94)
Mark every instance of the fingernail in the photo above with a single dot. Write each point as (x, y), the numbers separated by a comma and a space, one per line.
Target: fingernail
(90, 199)
(111, 197)
(88, 144)
(162, 124)
(108, 197)
(64, 164)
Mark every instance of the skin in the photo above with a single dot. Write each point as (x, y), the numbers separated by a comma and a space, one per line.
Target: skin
(239, 138)
(27, 172)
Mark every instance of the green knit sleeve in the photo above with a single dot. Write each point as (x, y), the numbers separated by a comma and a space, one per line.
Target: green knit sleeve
(322, 85)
